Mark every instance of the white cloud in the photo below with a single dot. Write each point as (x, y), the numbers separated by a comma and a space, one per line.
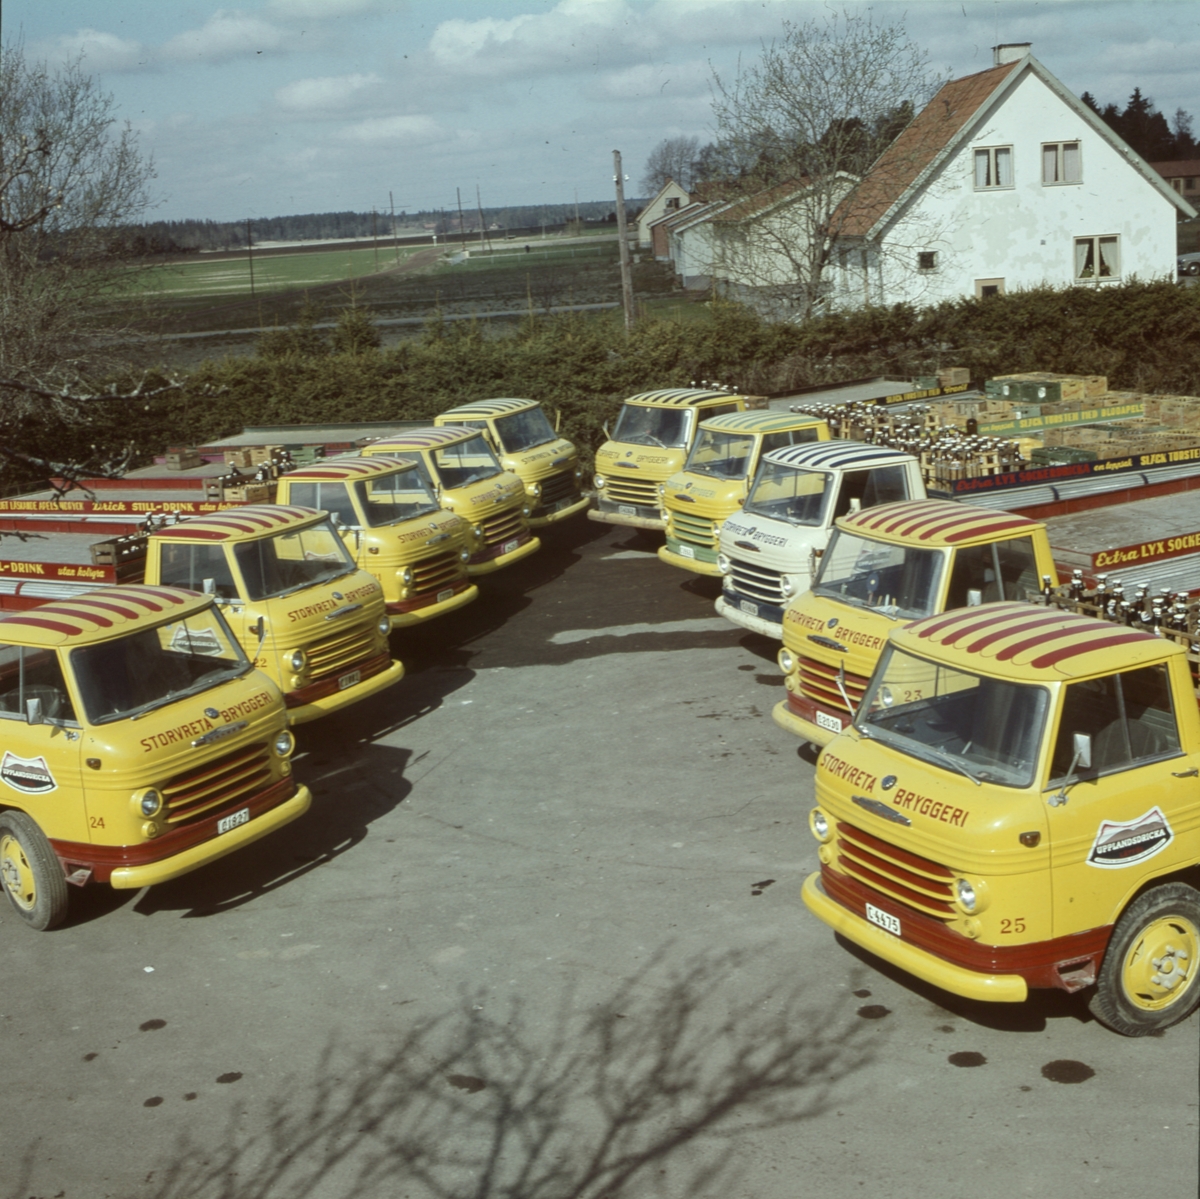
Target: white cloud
(319, 9)
(403, 130)
(654, 81)
(227, 35)
(329, 93)
(101, 51)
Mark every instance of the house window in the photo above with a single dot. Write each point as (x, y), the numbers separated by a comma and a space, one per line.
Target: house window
(1189, 184)
(672, 201)
(988, 287)
(993, 167)
(926, 260)
(1060, 162)
(1096, 258)
(1177, 184)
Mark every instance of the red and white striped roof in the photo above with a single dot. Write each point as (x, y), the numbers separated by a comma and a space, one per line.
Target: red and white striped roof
(337, 470)
(244, 523)
(98, 615)
(1024, 640)
(430, 438)
(936, 523)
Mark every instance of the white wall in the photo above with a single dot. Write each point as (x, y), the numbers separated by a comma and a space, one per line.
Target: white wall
(658, 208)
(1025, 234)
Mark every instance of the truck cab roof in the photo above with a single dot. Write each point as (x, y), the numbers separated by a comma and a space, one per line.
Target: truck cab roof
(683, 397)
(486, 409)
(245, 523)
(429, 437)
(760, 422)
(833, 455)
(100, 615)
(936, 523)
(351, 469)
(1027, 643)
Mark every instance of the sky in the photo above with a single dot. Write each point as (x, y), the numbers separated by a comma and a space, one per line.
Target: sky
(276, 107)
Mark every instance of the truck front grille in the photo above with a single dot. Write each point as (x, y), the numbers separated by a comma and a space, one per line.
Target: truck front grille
(503, 526)
(819, 682)
(644, 493)
(437, 571)
(693, 530)
(233, 777)
(558, 487)
(904, 877)
(341, 651)
(756, 582)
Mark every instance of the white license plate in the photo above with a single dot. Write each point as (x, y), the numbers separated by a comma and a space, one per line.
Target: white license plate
(885, 920)
(443, 596)
(348, 680)
(627, 510)
(563, 504)
(509, 546)
(832, 723)
(686, 551)
(747, 607)
(228, 822)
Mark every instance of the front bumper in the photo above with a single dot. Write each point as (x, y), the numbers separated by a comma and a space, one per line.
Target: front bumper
(336, 700)
(769, 625)
(696, 565)
(806, 730)
(958, 980)
(486, 566)
(404, 617)
(636, 516)
(132, 878)
(543, 517)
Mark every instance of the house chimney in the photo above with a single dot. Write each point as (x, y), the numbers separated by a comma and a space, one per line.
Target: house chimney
(1010, 52)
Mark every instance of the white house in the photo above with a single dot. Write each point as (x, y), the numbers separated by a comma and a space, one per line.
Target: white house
(1003, 181)
(668, 199)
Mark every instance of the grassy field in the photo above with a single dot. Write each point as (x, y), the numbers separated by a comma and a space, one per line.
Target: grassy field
(229, 278)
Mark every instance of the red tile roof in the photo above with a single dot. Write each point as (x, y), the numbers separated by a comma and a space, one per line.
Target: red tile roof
(901, 164)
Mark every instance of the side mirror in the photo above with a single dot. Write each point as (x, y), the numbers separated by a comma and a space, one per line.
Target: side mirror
(557, 419)
(209, 586)
(607, 434)
(974, 598)
(1083, 751)
(33, 711)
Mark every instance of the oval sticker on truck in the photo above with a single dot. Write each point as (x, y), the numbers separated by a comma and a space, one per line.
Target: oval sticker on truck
(31, 776)
(1123, 843)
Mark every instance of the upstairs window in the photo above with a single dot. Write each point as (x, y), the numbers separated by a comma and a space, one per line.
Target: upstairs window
(1061, 163)
(993, 167)
(926, 260)
(1097, 258)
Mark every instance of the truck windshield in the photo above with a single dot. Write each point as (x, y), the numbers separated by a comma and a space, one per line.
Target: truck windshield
(390, 499)
(665, 427)
(722, 454)
(273, 566)
(465, 463)
(144, 670)
(523, 430)
(896, 580)
(987, 729)
(784, 493)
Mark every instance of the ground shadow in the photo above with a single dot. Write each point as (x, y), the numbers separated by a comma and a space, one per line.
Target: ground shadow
(651, 1088)
(1034, 1015)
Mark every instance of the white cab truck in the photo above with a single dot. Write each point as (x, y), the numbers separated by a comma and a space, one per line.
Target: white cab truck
(768, 549)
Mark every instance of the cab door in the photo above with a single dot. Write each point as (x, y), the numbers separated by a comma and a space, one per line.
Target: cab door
(1117, 822)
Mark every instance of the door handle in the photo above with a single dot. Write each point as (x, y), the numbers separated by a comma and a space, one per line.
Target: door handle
(1186, 774)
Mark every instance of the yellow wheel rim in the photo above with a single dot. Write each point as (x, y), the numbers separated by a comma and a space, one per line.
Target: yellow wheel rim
(1160, 967)
(17, 873)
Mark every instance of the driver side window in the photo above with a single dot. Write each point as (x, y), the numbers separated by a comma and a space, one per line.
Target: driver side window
(26, 674)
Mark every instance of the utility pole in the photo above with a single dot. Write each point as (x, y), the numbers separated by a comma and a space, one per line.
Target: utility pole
(623, 239)
(395, 239)
(250, 256)
(462, 225)
(482, 231)
(375, 240)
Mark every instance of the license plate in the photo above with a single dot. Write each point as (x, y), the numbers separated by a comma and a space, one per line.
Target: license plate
(832, 723)
(885, 920)
(228, 822)
(747, 607)
(562, 504)
(443, 596)
(348, 680)
(627, 510)
(686, 551)
(509, 546)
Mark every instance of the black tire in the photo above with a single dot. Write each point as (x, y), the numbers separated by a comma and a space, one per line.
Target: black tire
(1192, 268)
(1138, 993)
(30, 873)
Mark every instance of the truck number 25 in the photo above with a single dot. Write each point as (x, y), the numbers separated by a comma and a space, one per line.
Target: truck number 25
(1015, 925)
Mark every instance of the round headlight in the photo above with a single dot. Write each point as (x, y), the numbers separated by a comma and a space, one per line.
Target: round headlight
(786, 660)
(406, 576)
(818, 822)
(534, 489)
(662, 490)
(384, 625)
(284, 743)
(600, 481)
(965, 894)
(296, 659)
(464, 555)
(149, 802)
(723, 564)
(787, 587)
(526, 510)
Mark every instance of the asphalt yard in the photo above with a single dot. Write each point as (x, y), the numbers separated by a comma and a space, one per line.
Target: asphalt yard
(541, 936)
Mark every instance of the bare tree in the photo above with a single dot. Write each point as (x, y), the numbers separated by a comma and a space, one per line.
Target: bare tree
(810, 118)
(673, 158)
(70, 177)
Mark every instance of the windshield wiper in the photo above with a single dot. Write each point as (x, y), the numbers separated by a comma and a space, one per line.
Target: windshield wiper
(953, 763)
